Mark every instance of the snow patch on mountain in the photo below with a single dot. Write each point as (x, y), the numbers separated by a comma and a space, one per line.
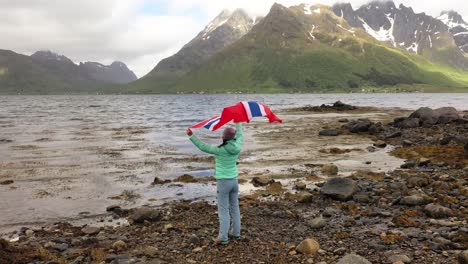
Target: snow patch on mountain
(212, 26)
(349, 30)
(307, 10)
(450, 22)
(382, 34)
(413, 47)
(311, 32)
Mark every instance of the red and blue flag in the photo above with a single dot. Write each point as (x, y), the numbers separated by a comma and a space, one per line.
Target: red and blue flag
(240, 112)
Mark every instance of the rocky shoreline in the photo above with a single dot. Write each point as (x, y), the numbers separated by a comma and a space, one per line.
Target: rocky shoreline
(416, 214)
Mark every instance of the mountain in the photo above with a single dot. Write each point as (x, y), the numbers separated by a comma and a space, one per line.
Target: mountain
(458, 27)
(317, 48)
(19, 74)
(117, 72)
(45, 72)
(221, 32)
(404, 29)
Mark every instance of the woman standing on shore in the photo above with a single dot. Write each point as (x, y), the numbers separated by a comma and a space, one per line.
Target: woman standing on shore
(226, 173)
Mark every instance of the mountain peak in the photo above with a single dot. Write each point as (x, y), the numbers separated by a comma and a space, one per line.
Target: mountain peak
(386, 5)
(238, 19)
(118, 64)
(49, 55)
(452, 19)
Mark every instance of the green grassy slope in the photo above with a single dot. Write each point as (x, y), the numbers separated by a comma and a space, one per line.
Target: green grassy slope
(289, 51)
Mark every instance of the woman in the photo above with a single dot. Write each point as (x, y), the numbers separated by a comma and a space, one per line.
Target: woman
(226, 173)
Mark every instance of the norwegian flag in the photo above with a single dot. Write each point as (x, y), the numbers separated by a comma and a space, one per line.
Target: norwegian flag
(240, 112)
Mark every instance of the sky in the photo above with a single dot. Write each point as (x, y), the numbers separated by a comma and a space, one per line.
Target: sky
(137, 32)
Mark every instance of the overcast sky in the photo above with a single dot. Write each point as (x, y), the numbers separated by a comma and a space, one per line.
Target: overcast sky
(137, 32)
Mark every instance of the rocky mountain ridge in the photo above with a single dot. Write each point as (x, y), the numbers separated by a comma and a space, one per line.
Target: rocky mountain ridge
(115, 73)
(402, 28)
(458, 27)
(221, 32)
(46, 72)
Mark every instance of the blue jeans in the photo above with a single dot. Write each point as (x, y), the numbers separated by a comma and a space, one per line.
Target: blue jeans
(228, 203)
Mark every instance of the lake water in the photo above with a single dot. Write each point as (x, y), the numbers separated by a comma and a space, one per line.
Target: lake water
(70, 154)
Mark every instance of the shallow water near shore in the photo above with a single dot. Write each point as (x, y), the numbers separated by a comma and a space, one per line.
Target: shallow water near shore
(71, 156)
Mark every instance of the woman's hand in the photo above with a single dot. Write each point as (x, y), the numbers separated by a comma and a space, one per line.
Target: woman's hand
(189, 132)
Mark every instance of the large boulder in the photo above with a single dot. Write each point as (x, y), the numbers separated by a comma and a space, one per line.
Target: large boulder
(353, 259)
(426, 116)
(139, 215)
(406, 122)
(358, 126)
(339, 188)
(446, 115)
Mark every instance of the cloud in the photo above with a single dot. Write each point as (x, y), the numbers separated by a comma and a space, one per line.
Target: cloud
(137, 32)
(90, 30)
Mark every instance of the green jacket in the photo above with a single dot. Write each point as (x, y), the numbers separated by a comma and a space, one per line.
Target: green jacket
(225, 156)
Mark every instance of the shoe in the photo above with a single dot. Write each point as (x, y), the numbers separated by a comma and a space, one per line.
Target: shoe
(237, 238)
(220, 242)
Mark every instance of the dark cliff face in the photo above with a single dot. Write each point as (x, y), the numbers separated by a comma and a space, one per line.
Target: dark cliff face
(221, 32)
(346, 11)
(458, 27)
(117, 72)
(67, 70)
(402, 28)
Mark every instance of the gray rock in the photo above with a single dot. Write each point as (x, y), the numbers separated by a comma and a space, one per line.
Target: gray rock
(353, 259)
(329, 169)
(112, 208)
(90, 230)
(339, 188)
(139, 215)
(317, 223)
(407, 123)
(437, 211)
(415, 199)
(418, 181)
(300, 186)
(304, 197)
(426, 116)
(358, 126)
(60, 246)
(193, 239)
(362, 198)
(332, 132)
(394, 135)
(150, 251)
(371, 149)
(402, 258)
(446, 115)
(380, 144)
(158, 181)
(261, 181)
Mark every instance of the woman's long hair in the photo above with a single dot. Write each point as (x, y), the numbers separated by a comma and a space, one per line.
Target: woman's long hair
(225, 142)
